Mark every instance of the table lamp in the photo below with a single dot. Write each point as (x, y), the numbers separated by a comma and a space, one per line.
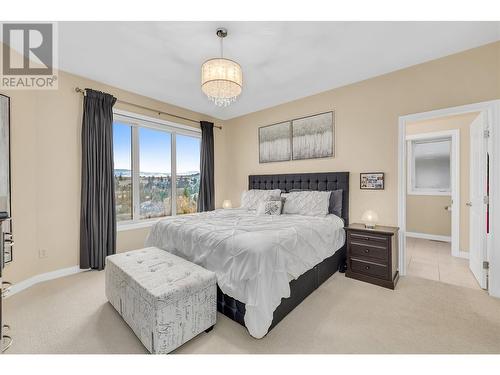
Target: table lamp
(370, 219)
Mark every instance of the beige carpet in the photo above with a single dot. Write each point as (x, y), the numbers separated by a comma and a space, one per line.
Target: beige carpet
(71, 315)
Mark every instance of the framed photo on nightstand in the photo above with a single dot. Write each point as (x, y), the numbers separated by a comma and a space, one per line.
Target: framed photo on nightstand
(371, 181)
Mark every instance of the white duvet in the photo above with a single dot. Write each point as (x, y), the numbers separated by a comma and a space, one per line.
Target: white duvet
(252, 256)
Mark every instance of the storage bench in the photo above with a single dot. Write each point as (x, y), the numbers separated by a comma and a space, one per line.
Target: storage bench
(165, 299)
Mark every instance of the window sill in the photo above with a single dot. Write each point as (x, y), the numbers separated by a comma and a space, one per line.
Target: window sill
(137, 225)
(429, 192)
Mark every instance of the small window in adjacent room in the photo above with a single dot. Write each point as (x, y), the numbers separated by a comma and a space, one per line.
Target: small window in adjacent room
(430, 166)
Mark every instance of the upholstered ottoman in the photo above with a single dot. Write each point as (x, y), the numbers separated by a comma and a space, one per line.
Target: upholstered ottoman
(166, 300)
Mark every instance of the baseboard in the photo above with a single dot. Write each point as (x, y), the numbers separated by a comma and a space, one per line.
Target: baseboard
(25, 284)
(434, 237)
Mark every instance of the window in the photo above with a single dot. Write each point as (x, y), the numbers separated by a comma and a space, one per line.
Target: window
(148, 155)
(122, 150)
(188, 173)
(430, 166)
(155, 166)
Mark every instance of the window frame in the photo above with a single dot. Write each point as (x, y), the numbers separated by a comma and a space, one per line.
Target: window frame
(454, 163)
(137, 121)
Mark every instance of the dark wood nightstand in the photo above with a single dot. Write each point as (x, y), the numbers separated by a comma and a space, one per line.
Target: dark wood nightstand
(372, 254)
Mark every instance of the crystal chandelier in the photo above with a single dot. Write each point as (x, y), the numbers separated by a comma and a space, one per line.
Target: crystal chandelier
(221, 79)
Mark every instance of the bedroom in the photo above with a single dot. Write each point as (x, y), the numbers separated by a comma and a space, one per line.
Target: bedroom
(129, 143)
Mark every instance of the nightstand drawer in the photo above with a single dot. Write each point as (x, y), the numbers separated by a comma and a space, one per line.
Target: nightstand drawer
(372, 254)
(371, 250)
(368, 268)
(368, 238)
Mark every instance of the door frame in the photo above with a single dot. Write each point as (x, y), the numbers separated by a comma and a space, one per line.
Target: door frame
(491, 114)
(454, 134)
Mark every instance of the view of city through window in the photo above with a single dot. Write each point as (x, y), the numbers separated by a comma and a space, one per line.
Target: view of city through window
(188, 173)
(154, 176)
(122, 150)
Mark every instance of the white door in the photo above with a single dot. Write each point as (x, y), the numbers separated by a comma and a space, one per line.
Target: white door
(477, 206)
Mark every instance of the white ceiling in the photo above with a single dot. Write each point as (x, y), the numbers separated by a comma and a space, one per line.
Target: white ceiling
(281, 61)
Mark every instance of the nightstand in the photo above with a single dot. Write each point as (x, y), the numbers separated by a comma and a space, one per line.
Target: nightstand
(372, 254)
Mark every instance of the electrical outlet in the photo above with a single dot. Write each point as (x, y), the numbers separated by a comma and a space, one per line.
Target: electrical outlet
(42, 253)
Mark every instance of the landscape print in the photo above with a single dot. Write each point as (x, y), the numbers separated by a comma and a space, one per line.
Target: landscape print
(274, 142)
(313, 137)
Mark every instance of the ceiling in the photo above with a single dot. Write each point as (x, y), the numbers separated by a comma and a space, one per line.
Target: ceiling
(281, 61)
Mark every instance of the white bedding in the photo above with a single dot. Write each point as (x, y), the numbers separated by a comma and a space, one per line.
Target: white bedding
(252, 256)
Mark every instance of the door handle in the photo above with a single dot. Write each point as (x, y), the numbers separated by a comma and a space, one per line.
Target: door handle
(468, 204)
(447, 208)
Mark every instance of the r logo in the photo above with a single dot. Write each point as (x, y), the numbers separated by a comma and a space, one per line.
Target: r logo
(35, 43)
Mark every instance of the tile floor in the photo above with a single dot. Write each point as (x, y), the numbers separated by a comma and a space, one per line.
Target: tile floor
(432, 260)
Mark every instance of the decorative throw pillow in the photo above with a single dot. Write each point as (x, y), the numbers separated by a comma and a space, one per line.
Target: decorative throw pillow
(271, 207)
(309, 203)
(336, 202)
(335, 206)
(251, 198)
(281, 198)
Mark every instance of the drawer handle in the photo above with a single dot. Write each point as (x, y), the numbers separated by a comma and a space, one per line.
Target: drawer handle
(367, 251)
(367, 268)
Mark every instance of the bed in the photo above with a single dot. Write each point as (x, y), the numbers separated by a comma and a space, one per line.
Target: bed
(265, 265)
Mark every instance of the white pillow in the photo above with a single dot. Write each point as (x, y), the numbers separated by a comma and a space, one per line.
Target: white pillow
(309, 203)
(250, 199)
(269, 207)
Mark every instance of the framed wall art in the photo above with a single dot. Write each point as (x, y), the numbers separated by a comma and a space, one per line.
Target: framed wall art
(308, 137)
(275, 142)
(312, 137)
(371, 181)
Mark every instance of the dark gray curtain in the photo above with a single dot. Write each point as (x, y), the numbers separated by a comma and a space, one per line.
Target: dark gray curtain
(206, 197)
(97, 214)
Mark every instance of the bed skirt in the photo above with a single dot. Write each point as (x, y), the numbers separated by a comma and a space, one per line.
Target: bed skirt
(299, 290)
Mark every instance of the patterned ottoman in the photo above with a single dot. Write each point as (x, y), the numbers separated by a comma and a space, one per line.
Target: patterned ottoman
(166, 300)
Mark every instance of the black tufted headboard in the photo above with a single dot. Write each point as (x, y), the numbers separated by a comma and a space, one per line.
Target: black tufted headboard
(306, 181)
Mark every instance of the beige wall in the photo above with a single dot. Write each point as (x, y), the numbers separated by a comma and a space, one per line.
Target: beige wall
(367, 123)
(46, 149)
(425, 213)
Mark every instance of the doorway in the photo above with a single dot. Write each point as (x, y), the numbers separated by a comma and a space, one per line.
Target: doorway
(436, 216)
(468, 244)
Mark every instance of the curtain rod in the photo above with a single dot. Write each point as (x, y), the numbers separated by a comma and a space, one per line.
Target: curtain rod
(82, 91)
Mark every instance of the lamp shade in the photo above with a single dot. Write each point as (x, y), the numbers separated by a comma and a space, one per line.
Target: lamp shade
(221, 80)
(227, 204)
(369, 218)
